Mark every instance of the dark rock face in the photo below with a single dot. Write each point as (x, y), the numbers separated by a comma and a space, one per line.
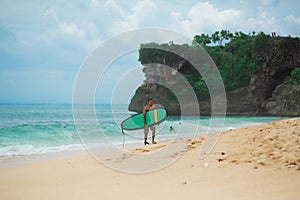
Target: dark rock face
(158, 94)
(265, 95)
(276, 61)
(240, 102)
(285, 101)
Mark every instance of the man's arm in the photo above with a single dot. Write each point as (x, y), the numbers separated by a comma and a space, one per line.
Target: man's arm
(144, 115)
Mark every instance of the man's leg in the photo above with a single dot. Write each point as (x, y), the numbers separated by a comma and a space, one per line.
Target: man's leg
(153, 134)
(146, 130)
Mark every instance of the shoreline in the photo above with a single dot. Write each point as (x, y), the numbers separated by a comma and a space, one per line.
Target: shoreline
(256, 162)
(14, 151)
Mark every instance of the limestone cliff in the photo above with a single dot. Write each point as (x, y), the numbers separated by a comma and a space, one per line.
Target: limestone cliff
(267, 93)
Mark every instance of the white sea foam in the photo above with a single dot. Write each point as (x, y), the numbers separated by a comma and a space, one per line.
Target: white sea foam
(28, 149)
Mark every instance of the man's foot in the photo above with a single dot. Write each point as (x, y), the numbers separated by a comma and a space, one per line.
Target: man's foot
(146, 143)
(153, 142)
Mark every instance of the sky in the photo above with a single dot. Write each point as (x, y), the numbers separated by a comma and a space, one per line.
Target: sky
(44, 43)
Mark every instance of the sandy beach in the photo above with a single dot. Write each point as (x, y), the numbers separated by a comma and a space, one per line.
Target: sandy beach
(258, 162)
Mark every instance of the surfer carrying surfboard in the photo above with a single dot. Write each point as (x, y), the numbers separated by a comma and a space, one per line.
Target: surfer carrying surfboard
(148, 107)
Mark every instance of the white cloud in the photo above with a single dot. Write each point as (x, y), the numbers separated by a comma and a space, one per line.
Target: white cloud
(244, 1)
(95, 3)
(64, 36)
(71, 30)
(60, 27)
(204, 17)
(115, 8)
(292, 19)
(142, 13)
(62, 33)
(176, 15)
(263, 21)
(50, 12)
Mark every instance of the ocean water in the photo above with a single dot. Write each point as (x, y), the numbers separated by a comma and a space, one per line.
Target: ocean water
(40, 129)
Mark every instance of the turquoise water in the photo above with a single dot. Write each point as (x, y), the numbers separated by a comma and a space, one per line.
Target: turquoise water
(39, 129)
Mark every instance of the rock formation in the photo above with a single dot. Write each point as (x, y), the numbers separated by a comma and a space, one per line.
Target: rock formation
(266, 94)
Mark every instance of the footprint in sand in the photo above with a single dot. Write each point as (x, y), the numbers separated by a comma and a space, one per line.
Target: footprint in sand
(175, 155)
(124, 157)
(148, 148)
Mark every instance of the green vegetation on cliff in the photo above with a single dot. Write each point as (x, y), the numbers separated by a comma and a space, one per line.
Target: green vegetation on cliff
(294, 78)
(236, 59)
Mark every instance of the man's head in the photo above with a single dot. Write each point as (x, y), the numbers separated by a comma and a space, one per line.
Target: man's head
(150, 102)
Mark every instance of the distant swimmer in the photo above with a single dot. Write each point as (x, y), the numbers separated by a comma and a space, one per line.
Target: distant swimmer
(171, 128)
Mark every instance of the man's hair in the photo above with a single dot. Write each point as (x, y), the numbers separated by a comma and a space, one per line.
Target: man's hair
(150, 99)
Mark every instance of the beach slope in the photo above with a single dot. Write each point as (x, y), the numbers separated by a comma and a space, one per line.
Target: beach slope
(258, 162)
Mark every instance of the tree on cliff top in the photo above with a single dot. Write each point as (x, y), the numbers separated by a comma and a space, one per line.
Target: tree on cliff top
(216, 37)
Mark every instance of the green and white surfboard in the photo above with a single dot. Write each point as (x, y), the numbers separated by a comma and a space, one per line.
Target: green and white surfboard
(153, 117)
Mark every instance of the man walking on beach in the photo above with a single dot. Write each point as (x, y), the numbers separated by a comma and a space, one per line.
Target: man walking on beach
(149, 106)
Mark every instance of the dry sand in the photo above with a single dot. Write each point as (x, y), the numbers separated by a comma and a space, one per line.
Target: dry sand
(259, 162)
